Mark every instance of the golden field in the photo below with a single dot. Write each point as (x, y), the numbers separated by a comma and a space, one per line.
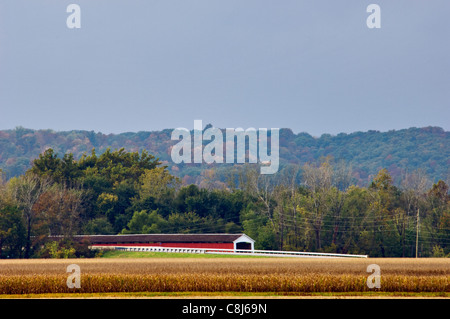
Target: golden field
(278, 276)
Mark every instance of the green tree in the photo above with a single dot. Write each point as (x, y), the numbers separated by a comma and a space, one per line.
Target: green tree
(12, 232)
(64, 171)
(144, 222)
(256, 226)
(437, 217)
(98, 226)
(156, 190)
(55, 250)
(356, 212)
(191, 222)
(384, 198)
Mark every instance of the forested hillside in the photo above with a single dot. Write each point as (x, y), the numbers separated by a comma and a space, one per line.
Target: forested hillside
(410, 149)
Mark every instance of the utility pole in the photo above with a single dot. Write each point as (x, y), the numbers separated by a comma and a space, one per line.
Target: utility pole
(417, 233)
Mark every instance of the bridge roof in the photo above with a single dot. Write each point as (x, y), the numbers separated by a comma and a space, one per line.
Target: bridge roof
(166, 238)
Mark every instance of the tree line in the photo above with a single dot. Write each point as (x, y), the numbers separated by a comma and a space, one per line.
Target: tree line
(313, 207)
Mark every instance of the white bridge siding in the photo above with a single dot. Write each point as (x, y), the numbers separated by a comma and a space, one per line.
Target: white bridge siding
(244, 239)
(272, 253)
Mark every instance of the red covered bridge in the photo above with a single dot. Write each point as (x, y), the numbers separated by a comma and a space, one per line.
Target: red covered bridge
(220, 241)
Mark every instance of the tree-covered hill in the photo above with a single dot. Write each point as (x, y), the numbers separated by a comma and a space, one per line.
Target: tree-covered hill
(410, 149)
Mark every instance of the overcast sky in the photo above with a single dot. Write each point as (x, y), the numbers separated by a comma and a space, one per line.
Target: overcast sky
(312, 66)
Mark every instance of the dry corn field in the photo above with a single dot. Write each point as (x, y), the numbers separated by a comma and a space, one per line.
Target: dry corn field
(290, 276)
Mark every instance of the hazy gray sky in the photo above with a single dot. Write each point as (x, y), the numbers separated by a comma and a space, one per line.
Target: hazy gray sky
(312, 66)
